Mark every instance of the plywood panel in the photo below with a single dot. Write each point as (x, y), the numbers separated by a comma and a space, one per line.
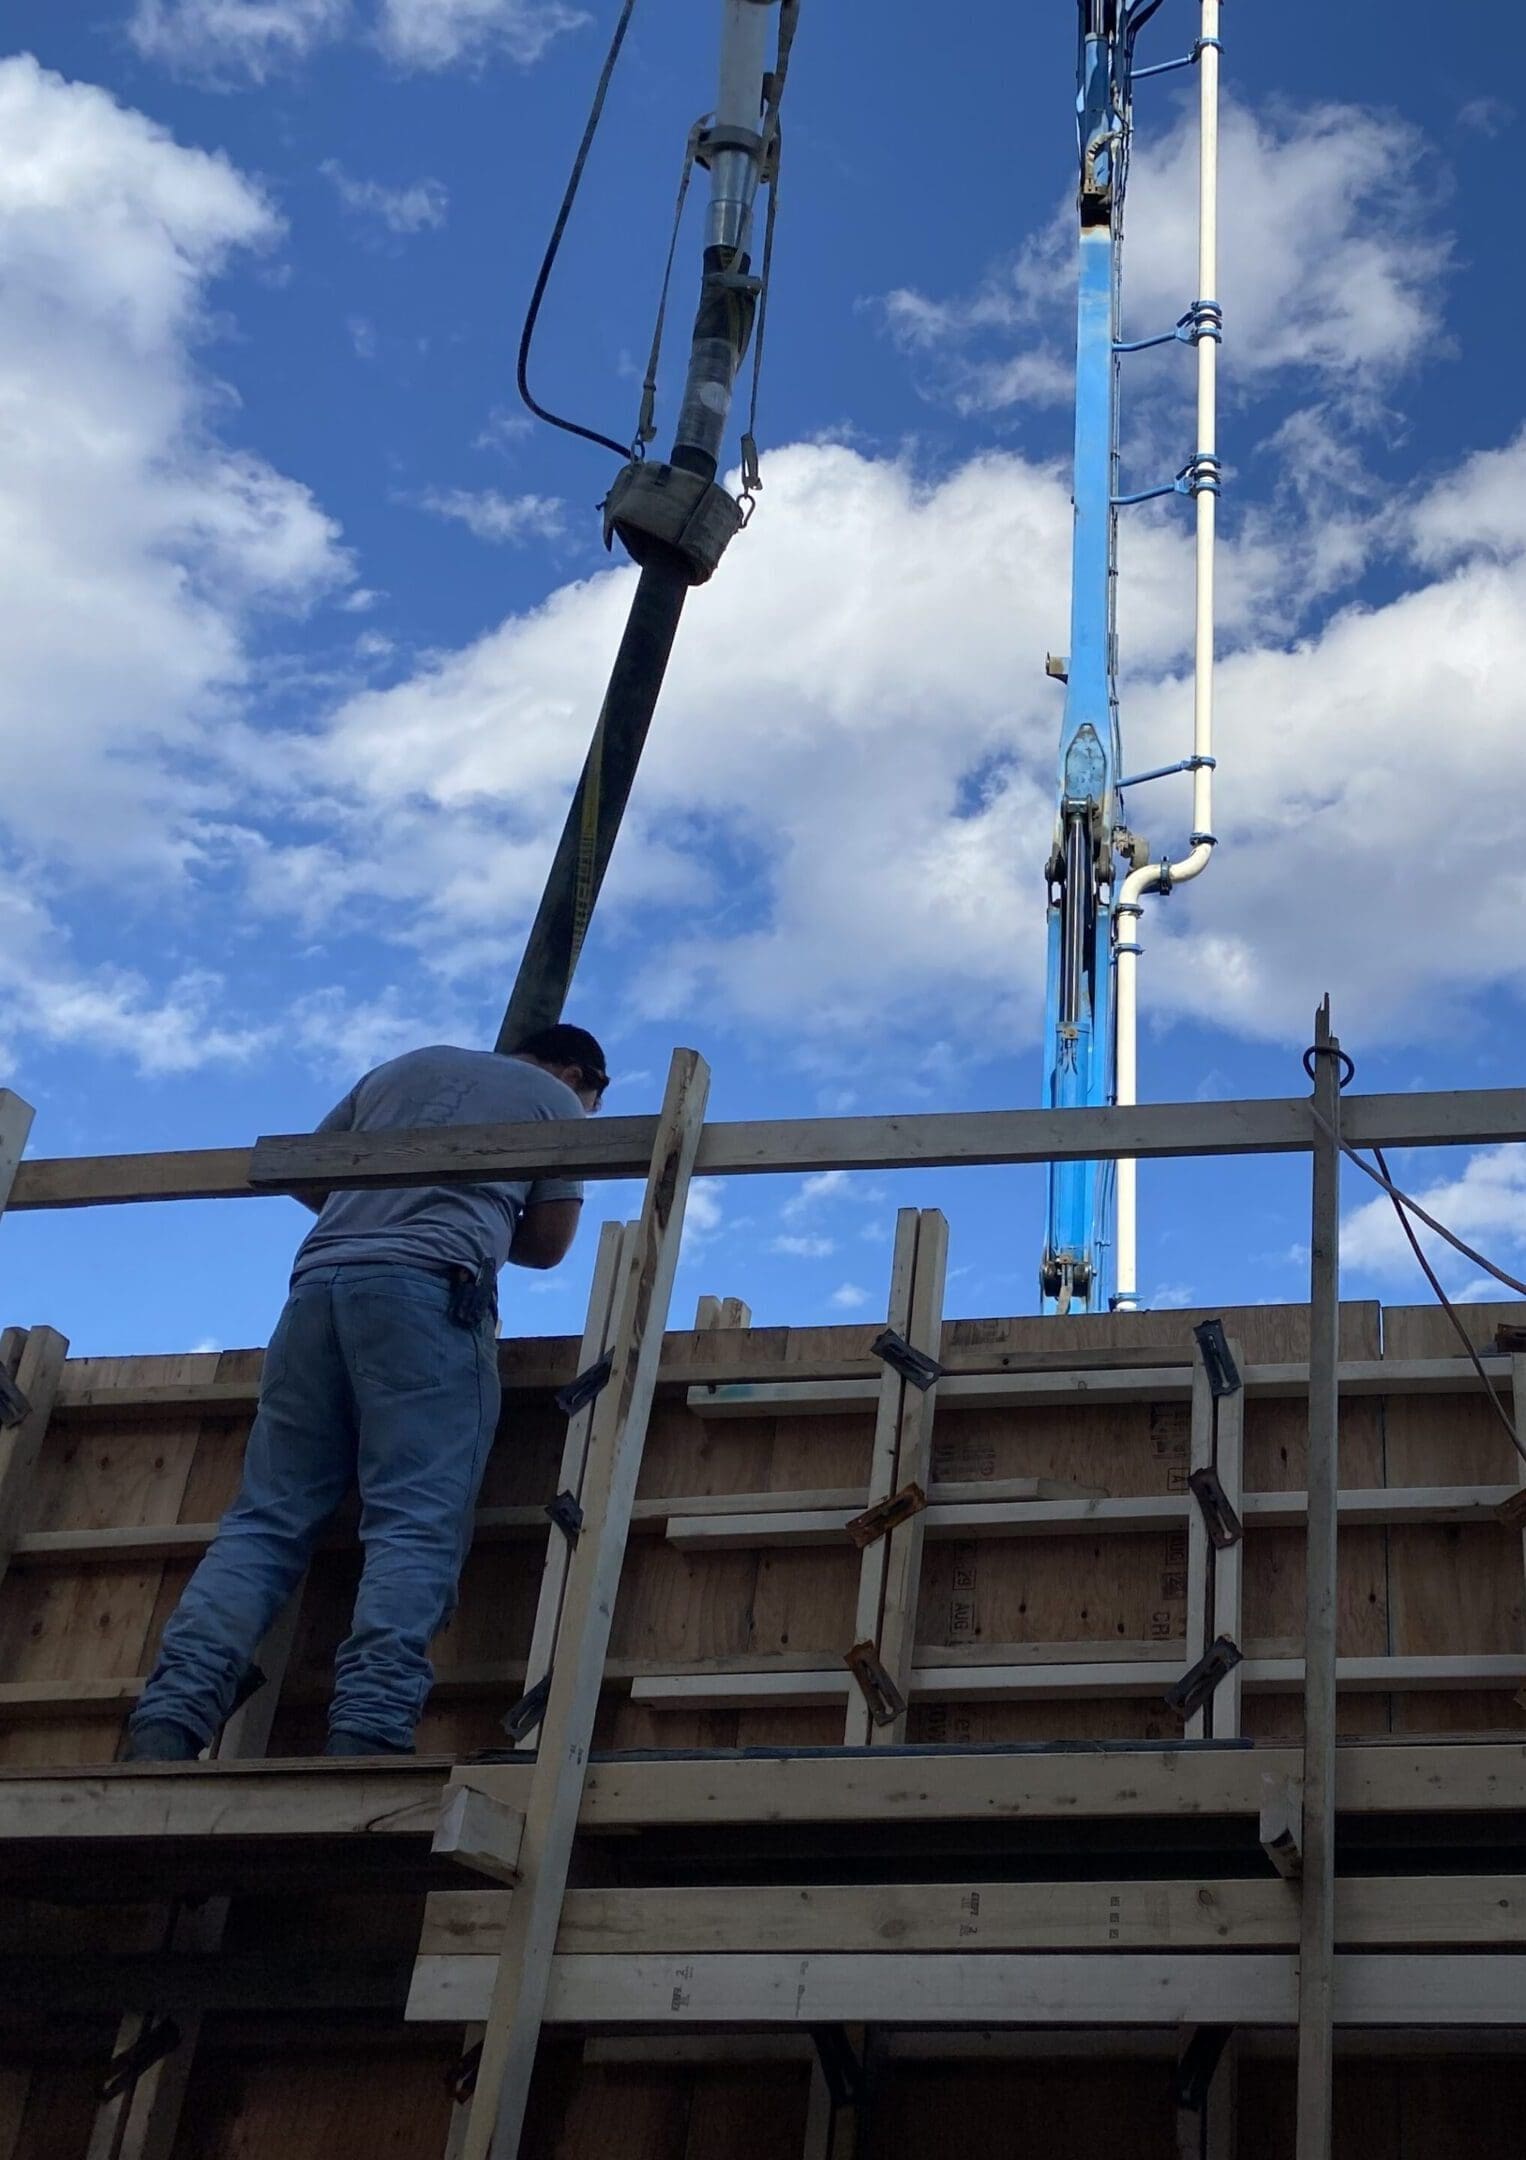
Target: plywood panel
(346, 2108)
(1452, 1589)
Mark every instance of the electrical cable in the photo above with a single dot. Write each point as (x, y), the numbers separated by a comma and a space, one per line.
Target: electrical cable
(1403, 1206)
(553, 249)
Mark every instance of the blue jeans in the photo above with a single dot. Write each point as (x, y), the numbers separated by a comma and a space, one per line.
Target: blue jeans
(367, 1381)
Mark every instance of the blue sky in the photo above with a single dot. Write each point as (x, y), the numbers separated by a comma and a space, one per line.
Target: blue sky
(306, 627)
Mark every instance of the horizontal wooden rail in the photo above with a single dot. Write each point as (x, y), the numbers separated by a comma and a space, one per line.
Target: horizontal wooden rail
(1071, 1681)
(995, 1988)
(621, 1147)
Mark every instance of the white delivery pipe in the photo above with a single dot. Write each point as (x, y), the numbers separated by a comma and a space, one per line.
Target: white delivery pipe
(1161, 876)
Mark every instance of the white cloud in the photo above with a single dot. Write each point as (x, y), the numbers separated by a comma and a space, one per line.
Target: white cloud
(230, 41)
(437, 33)
(492, 516)
(1330, 262)
(1489, 116)
(888, 778)
(823, 1185)
(421, 206)
(704, 1214)
(804, 1248)
(849, 1297)
(1484, 1203)
(136, 547)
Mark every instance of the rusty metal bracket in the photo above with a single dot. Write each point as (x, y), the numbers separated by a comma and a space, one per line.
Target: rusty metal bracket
(879, 1520)
(529, 1710)
(885, 1700)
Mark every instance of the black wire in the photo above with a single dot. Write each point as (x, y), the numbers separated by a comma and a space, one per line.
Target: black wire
(1448, 1308)
(548, 264)
(1402, 1204)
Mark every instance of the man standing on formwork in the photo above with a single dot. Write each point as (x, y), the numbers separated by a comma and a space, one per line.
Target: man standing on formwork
(382, 1373)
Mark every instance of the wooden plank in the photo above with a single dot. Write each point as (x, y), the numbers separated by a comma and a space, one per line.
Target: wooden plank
(999, 1507)
(621, 1147)
(1316, 1969)
(1053, 1388)
(480, 1833)
(1372, 1912)
(996, 1988)
(597, 1339)
(513, 2018)
(1199, 1562)
(309, 1800)
(845, 1383)
(15, 1129)
(896, 1634)
(1229, 1560)
(38, 1371)
(301, 1802)
(889, 1396)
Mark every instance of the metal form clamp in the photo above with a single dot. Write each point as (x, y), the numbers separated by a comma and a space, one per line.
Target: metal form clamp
(1188, 1695)
(912, 1364)
(1218, 1362)
(579, 1393)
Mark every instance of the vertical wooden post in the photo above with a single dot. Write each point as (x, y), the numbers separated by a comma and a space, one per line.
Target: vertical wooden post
(39, 1369)
(1316, 1966)
(903, 1576)
(1229, 1560)
(615, 1445)
(15, 1129)
(1199, 1550)
(1518, 1414)
(597, 1334)
(887, 1433)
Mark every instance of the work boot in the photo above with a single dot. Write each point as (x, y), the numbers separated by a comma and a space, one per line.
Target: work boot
(340, 1742)
(162, 1743)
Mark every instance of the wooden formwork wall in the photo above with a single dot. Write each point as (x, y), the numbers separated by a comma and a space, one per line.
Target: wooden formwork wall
(76, 1637)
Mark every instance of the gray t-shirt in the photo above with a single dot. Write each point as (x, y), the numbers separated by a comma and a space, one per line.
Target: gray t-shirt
(437, 1225)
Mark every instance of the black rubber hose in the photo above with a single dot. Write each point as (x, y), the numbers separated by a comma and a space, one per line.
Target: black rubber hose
(593, 822)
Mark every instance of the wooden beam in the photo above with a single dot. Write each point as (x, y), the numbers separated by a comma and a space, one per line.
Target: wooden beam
(995, 1988)
(618, 1433)
(1372, 1912)
(39, 1369)
(1316, 1969)
(914, 1466)
(173, 1803)
(598, 1338)
(15, 1128)
(1000, 1507)
(1281, 1828)
(1199, 1551)
(621, 1147)
(480, 1833)
(1229, 1563)
(1082, 1678)
(1050, 1388)
(889, 1399)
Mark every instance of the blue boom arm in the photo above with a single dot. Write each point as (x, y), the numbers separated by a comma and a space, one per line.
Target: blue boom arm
(1078, 1019)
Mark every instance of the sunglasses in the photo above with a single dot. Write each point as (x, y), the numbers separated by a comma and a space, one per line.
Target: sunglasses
(597, 1082)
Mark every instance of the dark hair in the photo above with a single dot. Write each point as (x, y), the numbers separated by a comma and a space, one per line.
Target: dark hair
(564, 1045)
